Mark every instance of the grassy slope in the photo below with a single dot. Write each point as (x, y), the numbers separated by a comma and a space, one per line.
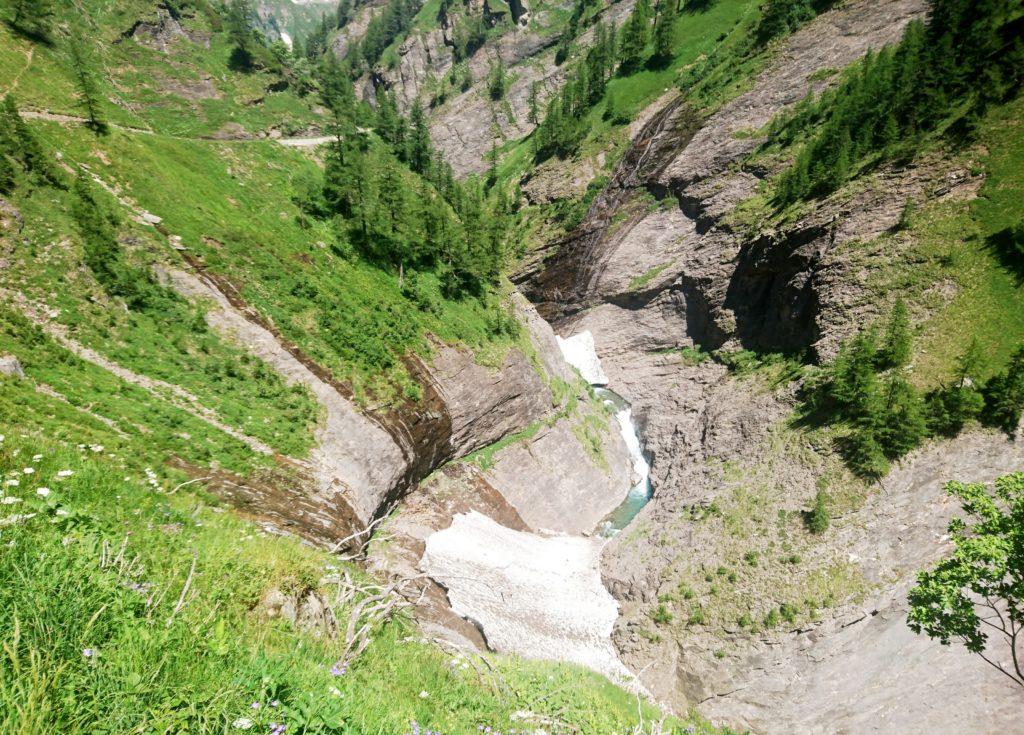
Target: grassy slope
(989, 300)
(188, 92)
(199, 670)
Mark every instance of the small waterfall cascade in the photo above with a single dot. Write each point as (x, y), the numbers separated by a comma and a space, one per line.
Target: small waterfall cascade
(579, 352)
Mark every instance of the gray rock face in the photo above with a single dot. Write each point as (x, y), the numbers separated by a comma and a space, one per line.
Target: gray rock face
(365, 460)
(11, 367)
(664, 279)
(554, 483)
(780, 292)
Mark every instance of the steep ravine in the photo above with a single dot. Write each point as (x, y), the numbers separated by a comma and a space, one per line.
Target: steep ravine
(855, 666)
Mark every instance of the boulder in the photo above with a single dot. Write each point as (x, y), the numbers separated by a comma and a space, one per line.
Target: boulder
(11, 366)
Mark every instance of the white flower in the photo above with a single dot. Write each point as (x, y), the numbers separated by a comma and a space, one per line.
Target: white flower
(242, 723)
(61, 512)
(88, 652)
(65, 473)
(424, 695)
(36, 457)
(29, 470)
(96, 448)
(9, 501)
(12, 483)
(335, 691)
(42, 492)
(1, 437)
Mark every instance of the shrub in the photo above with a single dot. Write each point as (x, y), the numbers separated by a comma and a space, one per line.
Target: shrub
(817, 519)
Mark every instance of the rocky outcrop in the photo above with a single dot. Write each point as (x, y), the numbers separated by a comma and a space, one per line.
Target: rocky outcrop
(11, 367)
(770, 293)
(648, 280)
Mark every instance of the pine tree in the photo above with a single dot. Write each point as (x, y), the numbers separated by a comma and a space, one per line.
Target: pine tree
(88, 88)
(854, 385)
(664, 33)
(496, 80)
(1004, 396)
(33, 18)
(902, 425)
(896, 344)
(969, 363)
(419, 140)
(533, 115)
(241, 21)
(633, 39)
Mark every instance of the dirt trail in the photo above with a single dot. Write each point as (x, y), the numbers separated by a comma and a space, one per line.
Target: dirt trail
(29, 55)
(308, 142)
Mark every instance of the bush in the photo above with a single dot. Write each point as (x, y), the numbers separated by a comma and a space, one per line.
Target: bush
(818, 519)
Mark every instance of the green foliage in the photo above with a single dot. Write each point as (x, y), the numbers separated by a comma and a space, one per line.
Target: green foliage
(662, 615)
(781, 17)
(385, 27)
(976, 595)
(941, 76)
(818, 518)
(98, 228)
(497, 80)
(32, 18)
(632, 43)
(89, 97)
(1004, 396)
(897, 341)
(664, 32)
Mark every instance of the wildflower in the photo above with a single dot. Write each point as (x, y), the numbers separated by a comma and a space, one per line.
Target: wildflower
(424, 695)
(65, 473)
(97, 448)
(276, 729)
(12, 483)
(29, 470)
(36, 457)
(275, 703)
(9, 501)
(340, 668)
(254, 705)
(42, 492)
(335, 691)
(242, 723)
(61, 512)
(88, 653)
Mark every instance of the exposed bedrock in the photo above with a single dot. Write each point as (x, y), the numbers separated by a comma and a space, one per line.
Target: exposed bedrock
(366, 459)
(777, 291)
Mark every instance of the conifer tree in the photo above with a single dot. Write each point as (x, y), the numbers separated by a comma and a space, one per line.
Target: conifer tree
(664, 33)
(240, 19)
(902, 425)
(33, 18)
(1004, 396)
(896, 344)
(419, 140)
(88, 88)
(533, 114)
(634, 37)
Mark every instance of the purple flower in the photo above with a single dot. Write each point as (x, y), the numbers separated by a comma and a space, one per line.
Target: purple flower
(255, 705)
(88, 652)
(340, 668)
(276, 729)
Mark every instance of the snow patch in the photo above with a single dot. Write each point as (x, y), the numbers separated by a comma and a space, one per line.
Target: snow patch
(535, 596)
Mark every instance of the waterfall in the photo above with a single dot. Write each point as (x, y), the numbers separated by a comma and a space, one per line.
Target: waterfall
(579, 351)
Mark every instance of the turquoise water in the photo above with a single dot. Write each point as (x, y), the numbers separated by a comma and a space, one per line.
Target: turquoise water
(640, 494)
